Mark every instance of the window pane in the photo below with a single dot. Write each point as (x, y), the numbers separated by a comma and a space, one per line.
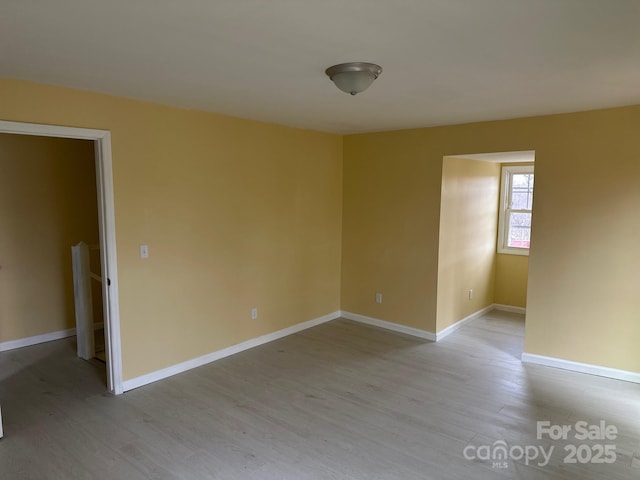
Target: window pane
(522, 191)
(519, 230)
(516, 203)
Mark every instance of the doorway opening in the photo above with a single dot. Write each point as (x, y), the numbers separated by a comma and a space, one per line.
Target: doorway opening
(484, 235)
(106, 233)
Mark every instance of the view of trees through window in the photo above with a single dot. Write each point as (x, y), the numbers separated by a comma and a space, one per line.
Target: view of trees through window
(519, 210)
(516, 203)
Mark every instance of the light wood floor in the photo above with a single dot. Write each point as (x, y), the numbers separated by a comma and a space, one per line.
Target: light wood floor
(339, 401)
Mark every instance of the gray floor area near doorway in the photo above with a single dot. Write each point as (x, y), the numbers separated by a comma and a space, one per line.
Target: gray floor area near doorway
(341, 400)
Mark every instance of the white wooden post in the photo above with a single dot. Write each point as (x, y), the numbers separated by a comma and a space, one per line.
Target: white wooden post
(82, 295)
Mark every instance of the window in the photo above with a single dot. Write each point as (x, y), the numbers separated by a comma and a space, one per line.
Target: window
(516, 201)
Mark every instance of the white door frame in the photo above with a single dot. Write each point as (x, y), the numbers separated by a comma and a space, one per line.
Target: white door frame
(107, 224)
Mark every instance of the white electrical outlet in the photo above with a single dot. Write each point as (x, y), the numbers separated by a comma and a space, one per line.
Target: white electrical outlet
(470, 294)
(378, 298)
(144, 251)
(254, 313)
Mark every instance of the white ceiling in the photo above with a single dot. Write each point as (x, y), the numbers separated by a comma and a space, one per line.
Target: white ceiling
(444, 61)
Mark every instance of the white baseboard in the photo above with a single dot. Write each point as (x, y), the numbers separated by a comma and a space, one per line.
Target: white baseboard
(27, 342)
(376, 322)
(581, 367)
(416, 332)
(509, 308)
(225, 352)
(452, 328)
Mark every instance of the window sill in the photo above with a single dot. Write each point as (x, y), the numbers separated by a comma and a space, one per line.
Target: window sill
(514, 251)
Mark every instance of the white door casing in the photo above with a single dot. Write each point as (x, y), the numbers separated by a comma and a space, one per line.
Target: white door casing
(106, 219)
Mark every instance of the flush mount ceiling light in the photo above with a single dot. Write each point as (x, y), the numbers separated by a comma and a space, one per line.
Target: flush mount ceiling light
(353, 77)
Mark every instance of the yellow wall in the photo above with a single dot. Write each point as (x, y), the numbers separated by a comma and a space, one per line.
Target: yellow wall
(389, 225)
(240, 214)
(237, 214)
(47, 204)
(581, 299)
(467, 244)
(511, 280)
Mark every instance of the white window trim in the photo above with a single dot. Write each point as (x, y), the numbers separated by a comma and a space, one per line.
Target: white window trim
(505, 187)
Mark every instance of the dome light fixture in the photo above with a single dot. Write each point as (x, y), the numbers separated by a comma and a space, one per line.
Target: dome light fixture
(353, 77)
